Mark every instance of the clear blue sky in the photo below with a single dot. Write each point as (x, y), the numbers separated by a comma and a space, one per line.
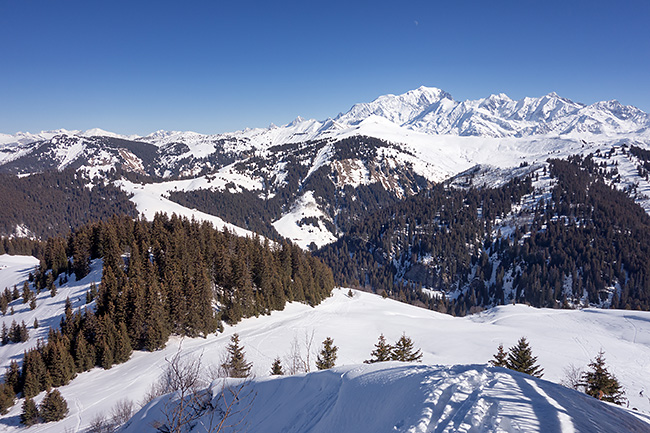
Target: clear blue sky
(217, 66)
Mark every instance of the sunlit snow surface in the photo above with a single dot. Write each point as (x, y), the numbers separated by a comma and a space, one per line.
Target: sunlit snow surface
(407, 397)
(402, 397)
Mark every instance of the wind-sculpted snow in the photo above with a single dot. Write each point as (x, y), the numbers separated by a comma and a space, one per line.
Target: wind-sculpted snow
(412, 398)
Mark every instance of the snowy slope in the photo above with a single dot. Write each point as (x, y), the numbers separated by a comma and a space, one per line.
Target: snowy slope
(558, 337)
(410, 398)
(151, 199)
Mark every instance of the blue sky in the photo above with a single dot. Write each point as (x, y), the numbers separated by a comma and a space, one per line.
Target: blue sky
(134, 67)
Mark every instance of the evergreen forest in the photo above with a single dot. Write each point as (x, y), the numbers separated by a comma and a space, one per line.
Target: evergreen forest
(168, 276)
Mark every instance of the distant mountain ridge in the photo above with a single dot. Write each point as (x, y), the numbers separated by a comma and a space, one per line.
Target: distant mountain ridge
(427, 109)
(309, 179)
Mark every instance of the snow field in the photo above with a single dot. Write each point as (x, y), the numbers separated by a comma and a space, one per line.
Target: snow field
(450, 391)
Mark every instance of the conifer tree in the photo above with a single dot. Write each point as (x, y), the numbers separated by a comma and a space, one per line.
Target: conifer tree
(23, 333)
(12, 376)
(4, 335)
(520, 358)
(327, 356)
(7, 398)
(403, 351)
(35, 323)
(382, 352)
(236, 365)
(29, 416)
(500, 358)
(59, 361)
(276, 368)
(123, 347)
(32, 303)
(601, 384)
(27, 294)
(84, 356)
(53, 407)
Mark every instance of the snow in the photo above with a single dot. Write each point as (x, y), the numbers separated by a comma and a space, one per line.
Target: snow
(449, 375)
(150, 199)
(300, 233)
(15, 269)
(411, 398)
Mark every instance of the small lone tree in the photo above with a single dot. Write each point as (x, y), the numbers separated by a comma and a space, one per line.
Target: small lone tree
(520, 358)
(382, 351)
(29, 416)
(276, 368)
(53, 407)
(327, 356)
(601, 384)
(500, 358)
(404, 351)
(236, 365)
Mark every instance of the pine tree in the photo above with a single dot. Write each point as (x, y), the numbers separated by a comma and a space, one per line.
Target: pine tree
(29, 416)
(53, 407)
(500, 358)
(601, 384)
(520, 358)
(403, 351)
(382, 351)
(35, 323)
(236, 365)
(276, 368)
(327, 356)
(32, 303)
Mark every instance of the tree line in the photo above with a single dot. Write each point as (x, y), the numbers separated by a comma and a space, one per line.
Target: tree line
(168, 276)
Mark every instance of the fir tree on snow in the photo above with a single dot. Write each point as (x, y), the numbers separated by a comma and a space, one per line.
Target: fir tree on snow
(236, 365)
(53, 407)
(500, 358)
(29, 415)
(276, 368)
(327, 356)
(404, 351)
(382, 352)
(520, 358)
(7, 396)
(600, 383)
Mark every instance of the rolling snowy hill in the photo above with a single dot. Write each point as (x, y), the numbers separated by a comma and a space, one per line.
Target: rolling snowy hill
(431, 394)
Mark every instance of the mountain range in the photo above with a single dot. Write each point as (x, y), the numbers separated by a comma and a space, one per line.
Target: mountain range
(471, 208)
(319, 183)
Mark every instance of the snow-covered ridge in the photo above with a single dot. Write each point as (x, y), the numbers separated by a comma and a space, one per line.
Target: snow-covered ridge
(427, 109)
(402, 397)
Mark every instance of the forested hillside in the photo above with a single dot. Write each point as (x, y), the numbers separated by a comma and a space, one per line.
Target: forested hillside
(54, 202)
(586, 243)
(169, 276)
